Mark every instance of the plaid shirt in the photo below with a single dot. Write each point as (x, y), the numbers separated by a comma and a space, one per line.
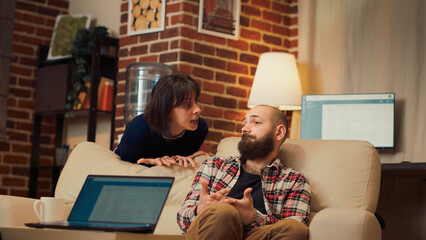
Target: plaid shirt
(286, 192)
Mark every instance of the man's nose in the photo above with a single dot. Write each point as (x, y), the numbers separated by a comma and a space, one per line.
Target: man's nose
(245, 129)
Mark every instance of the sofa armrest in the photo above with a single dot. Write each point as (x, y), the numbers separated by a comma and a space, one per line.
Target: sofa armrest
(344, 223)
(16, 211)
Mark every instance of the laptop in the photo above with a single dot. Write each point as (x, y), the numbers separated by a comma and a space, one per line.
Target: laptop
(116, 203)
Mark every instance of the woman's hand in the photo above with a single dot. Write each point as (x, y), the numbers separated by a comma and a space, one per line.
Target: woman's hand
(181, 160)
(166, 160)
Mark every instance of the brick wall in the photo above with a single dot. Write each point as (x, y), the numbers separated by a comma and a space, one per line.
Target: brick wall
(224, 68)
(34, 21)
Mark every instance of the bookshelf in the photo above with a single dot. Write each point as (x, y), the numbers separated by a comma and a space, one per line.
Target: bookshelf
(51, 92)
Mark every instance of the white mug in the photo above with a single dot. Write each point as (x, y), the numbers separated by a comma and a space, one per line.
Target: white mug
(51, 209)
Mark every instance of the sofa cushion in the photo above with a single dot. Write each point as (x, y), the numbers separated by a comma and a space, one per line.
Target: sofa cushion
(342, 173)
(90, 158)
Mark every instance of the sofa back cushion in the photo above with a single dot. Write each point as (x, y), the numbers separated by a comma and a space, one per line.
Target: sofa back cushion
(91, 158)
(343, 173)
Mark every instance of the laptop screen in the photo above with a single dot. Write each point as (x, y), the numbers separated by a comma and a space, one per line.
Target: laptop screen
(121, 199)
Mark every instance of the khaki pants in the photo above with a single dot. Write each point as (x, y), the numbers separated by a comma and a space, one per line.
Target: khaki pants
(221, 222)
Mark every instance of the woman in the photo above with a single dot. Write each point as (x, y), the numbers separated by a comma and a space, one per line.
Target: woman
(170, 131)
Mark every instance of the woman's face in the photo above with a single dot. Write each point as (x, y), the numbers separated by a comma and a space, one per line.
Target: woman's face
(184, 117)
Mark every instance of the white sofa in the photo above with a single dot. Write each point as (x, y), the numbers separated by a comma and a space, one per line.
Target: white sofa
(344, 175)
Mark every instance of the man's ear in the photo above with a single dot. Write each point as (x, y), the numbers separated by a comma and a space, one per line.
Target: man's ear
(280, 132)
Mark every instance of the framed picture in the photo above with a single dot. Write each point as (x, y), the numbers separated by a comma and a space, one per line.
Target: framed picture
(219, 18)
(65, 31)
(146, 16)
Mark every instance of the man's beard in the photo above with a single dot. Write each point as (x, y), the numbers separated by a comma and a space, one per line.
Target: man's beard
(252, 149)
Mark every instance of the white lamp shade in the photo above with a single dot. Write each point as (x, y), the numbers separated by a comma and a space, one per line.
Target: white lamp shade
(276, 82)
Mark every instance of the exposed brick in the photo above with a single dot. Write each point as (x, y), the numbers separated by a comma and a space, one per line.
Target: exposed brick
(148, 37)
(215, 63)
(21, 193)
(224, 125)
(14, 158)
(43, 32)
(284, 31)
(25, 104)
(290, 44)
(173, 7)
(203, 73)
(206, 98)
(242, 45)
(214, 87)
(123, 18)
(294, 32)
(225, 102)
(239, 92)
(237, 68)
(227, 54)
(21, 148)
(270, 16)
(23, 49)
(223, 77)
(234, 115)
(252, 70)
(242, 104)
(252, 35)
(59, 3)
(123, 52)
(123, 30)
(248, 58)
(182, 18)
(24, 126)
(4, 146)
(191, 33)
(168, 57)
(213, 39)
(47, 11)
(25, 6)
(30, 18)
(28, 61)
(264, 26)
(259, 48)
(126, 62)
(246, 81)
(124, 7)
(203, 48)
(174, 44)
(290, 21)
(21, 171)
(4, 169)
(128, 40)
(169, 33)
(190, 57)
(185, 68)
(261, 3)
(206, 147)
(20, 38)
(190, 8)
(152, 58)
(272, 40)
(214, 136)
(213, 112)
(159, 47)
(13, 182)
(185, 44)
(244, 21)
(250, 11)
(139, 50)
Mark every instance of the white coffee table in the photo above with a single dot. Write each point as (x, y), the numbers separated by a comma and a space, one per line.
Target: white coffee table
(12, 233)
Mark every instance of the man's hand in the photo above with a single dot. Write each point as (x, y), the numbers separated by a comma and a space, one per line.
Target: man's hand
(244, 206)
(206, 199)
(181, 160)
(166, 160)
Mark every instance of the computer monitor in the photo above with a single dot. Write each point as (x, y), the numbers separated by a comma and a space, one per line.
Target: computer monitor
(369, 117)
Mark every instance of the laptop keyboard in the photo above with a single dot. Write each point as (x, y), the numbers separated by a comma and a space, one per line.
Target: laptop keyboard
(103, 224)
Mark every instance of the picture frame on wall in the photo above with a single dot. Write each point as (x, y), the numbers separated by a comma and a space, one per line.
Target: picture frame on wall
(219, 18)
(146, 16)
(64, 32)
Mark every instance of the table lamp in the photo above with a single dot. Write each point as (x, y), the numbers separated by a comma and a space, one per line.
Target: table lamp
(277, 83)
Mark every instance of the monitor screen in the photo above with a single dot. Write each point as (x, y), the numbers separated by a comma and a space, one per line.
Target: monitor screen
(367, 117)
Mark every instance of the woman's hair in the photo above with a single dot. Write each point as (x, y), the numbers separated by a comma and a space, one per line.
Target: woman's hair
(170, 91)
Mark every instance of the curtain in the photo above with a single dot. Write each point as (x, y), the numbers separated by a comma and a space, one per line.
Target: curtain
(363, 46)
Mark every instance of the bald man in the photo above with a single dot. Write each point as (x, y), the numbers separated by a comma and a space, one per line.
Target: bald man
(251, 196)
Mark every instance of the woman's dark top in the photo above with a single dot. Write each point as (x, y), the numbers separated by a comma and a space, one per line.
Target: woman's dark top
(139, 141)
